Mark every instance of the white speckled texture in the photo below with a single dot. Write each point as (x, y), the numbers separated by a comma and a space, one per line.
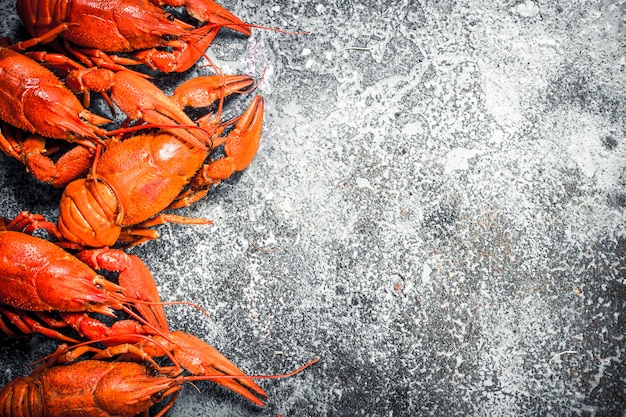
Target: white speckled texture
(437, 212)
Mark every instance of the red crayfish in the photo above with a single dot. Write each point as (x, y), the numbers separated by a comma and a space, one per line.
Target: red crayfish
(99, 388)
(137, 178)
(92, 29)
(36, 276)
(34, 100)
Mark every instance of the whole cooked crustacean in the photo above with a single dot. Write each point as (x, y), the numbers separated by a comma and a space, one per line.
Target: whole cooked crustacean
(137, 178)
(101, 388)
(88, 388)
(44, 289)
(141, 28)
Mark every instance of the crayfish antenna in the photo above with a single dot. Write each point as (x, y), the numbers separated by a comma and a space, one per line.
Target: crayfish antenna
(220, 379)
(165, 303)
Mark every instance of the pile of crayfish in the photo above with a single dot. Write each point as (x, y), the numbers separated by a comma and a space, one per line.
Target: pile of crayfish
(118, 355)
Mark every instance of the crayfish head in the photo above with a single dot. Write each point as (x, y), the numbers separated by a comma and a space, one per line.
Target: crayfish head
(77, 288)
(129, 389)
(88, 214)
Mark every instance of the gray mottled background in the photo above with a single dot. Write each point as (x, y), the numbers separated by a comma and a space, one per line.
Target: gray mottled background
(437, 211)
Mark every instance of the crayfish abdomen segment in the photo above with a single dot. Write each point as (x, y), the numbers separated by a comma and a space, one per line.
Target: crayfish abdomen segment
(21, 397)
(88, 213)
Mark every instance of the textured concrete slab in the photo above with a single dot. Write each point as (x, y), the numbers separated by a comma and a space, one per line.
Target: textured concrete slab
(437, 212)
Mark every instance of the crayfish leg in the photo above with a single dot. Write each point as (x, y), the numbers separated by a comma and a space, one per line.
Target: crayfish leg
(28, 325)
(10, 139)
(27, 222)
(140, 233)
(46, 37)
(188, 197)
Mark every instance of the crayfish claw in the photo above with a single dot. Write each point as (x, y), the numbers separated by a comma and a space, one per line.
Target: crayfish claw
(212, 13)
(201, 359)
(135, 280)
(204, 91)
(243, 142)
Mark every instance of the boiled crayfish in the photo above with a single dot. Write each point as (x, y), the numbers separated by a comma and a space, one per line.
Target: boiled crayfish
(88, 388)
(38, 276)
(137, 178)
(93, 29)
(99, 388)
(34, 100)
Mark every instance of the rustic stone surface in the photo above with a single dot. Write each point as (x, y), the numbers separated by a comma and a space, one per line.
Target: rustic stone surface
(437, 212)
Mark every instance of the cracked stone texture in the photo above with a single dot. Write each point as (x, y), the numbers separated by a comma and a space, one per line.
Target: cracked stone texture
(437, 212)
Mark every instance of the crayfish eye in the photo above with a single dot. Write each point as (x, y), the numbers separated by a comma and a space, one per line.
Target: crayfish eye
(152, 371)
(170, 17)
